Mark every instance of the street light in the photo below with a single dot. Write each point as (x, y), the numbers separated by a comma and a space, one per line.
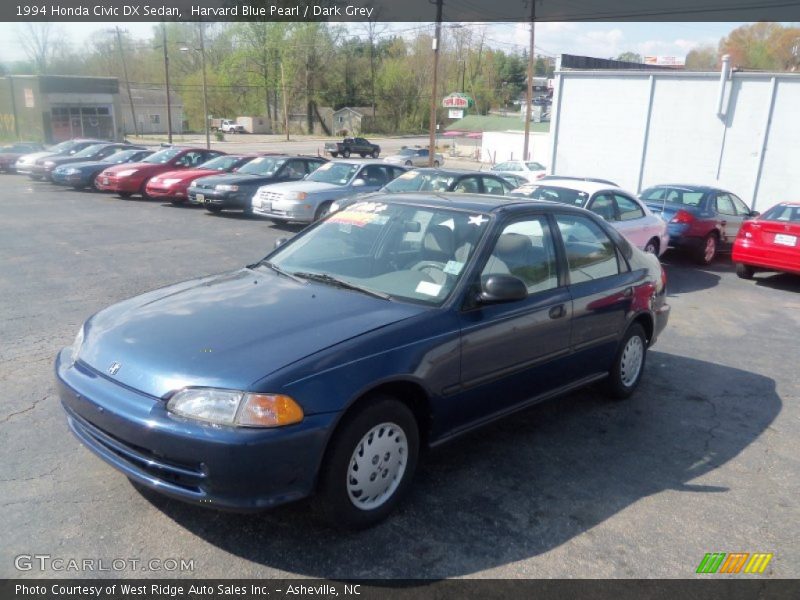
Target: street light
(202, 51)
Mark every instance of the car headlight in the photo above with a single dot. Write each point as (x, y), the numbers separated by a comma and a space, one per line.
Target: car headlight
(296, 196)
(233, 407)
(226, 187)
(126, 173)
(170, 181)
(70, 171)
(75, 349)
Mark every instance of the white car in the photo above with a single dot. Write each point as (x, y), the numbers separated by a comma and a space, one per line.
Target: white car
(528, 169)
(626, 213)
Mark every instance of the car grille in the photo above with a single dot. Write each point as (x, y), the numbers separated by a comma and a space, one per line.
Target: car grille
(203, 186)
(265, 195)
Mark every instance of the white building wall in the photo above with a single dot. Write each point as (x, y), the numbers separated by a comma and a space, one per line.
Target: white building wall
(498, 146)
(645, 128)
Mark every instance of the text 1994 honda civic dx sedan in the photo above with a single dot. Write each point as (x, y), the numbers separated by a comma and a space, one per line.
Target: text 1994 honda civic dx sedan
(323, 369)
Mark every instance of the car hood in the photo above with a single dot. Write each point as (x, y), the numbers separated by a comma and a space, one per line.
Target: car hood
(86, 164)
(139, 166)
(186, 173)
(310, 187)
(32, 158)
(227, 331)
(235, 179)
(65, 160)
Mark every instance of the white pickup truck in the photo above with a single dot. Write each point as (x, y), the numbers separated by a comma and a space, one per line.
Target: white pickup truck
(229, 126)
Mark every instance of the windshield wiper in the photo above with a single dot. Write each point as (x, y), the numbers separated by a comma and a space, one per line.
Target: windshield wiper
(277, 269)
(331, 280)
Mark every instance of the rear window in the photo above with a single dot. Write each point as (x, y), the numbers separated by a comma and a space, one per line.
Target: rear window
(783, 212)
(673, 196)
(553, 194)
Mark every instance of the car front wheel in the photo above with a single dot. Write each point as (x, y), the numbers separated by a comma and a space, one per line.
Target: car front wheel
(376, 153)
(744, 271)
(628, 365)
(346, 153)
(369, 464)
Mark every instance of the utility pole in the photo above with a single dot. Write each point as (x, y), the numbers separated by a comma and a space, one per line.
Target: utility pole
(285, 110)
(529, 94)
(166, 78)
(127, 82)
(205, 87)
(432, 132)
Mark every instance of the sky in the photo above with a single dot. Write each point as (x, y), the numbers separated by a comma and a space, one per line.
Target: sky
(604, 40)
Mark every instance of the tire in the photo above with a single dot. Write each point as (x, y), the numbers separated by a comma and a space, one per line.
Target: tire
(125, 195)
(176, 202)
(652, 246)
(214, 210)
(408, 163)
(628, 366)
(334, 154)
(705, 253)
(744, 271)
(346, 153)
(323, 210)
(436, 164)
(384, 425)
(362, 155)
(376, 153)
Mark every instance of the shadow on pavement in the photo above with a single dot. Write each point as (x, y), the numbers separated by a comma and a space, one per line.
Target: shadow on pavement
(525, 485)
(779, 281)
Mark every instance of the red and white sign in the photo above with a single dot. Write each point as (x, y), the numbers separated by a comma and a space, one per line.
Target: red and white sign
(667, 61)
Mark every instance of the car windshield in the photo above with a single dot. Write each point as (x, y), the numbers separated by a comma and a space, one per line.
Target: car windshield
(334, 172)
(262, 165)
(786, 213)
(123, 156)
(420, 181)
(534, 166)
(89, 151)
(163, 156)
(63, 146)
(407, 152)
(220, 163)
(398, 251)
(553, 194)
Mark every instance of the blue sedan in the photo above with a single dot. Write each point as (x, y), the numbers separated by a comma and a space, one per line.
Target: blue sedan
(322, 370)
(82, 174)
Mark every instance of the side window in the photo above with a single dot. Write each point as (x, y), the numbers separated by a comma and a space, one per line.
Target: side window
(525, 249)
(395, 172)
(590, 252)
(725, 205)
(423, 153)
(603, 205)
(493, 186)
(294, 169)
(628, 209)
(506, 166)
(741, 207)
(374, 175)
(468, 185)
(313, 165)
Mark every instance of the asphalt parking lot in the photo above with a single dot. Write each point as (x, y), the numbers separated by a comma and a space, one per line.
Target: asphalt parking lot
(703, 458)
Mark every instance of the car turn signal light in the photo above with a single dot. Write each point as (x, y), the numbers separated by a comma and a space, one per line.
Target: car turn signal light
(269, 410)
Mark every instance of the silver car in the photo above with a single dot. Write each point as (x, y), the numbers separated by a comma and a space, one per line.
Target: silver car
(415, 157)
(310, 199)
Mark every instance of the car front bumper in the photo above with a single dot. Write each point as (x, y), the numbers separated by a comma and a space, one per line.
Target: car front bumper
(202, 196)
(221, 467)
(172, 192)
(302, 211)
(113, 184)
(68, 178)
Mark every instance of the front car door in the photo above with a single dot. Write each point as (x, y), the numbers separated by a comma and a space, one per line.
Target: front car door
(516, 351)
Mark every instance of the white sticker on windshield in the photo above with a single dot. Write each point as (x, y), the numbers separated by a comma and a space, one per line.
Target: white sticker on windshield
(453, 267)
(428, 288)
(477, 220)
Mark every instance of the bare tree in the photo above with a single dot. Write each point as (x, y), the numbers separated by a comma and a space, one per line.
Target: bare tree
(41, 43)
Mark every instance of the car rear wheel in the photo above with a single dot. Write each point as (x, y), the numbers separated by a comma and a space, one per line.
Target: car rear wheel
(628, 365)
(369, 464)
(652, 247)
(744, 271)
(125, 195)
(214, 210)
(408, 163)
(346, 153)
(375, 154)
(334, 154)
(707, 250)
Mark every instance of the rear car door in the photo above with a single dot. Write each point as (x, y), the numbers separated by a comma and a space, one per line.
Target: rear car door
(601, 288)
(514, 351)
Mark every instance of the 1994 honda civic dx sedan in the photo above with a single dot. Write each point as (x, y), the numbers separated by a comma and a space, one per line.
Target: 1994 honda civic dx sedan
(393, 324)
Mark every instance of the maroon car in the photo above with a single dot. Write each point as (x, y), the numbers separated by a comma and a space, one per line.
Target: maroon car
(11, 153)
(129, 179)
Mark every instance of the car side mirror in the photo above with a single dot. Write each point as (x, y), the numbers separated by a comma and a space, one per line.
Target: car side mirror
(502, 288)
(359, 182)
(280, 242)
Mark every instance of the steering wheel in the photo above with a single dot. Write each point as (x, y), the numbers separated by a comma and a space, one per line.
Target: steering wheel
(427, 265)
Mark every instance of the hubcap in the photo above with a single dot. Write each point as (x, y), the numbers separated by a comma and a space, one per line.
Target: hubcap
(377, 466)
(711, 247)
(650, 248)
(631, 362)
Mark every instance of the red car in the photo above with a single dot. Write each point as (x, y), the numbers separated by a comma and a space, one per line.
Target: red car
(132, 178)
(173, 185)
(770, 242)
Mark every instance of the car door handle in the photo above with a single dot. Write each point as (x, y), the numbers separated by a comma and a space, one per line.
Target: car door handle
(556, 312)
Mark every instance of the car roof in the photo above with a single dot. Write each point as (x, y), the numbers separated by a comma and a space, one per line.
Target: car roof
(688, 187)
(452, 171)
(361, 161)
(581, 185)
(486, 203)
